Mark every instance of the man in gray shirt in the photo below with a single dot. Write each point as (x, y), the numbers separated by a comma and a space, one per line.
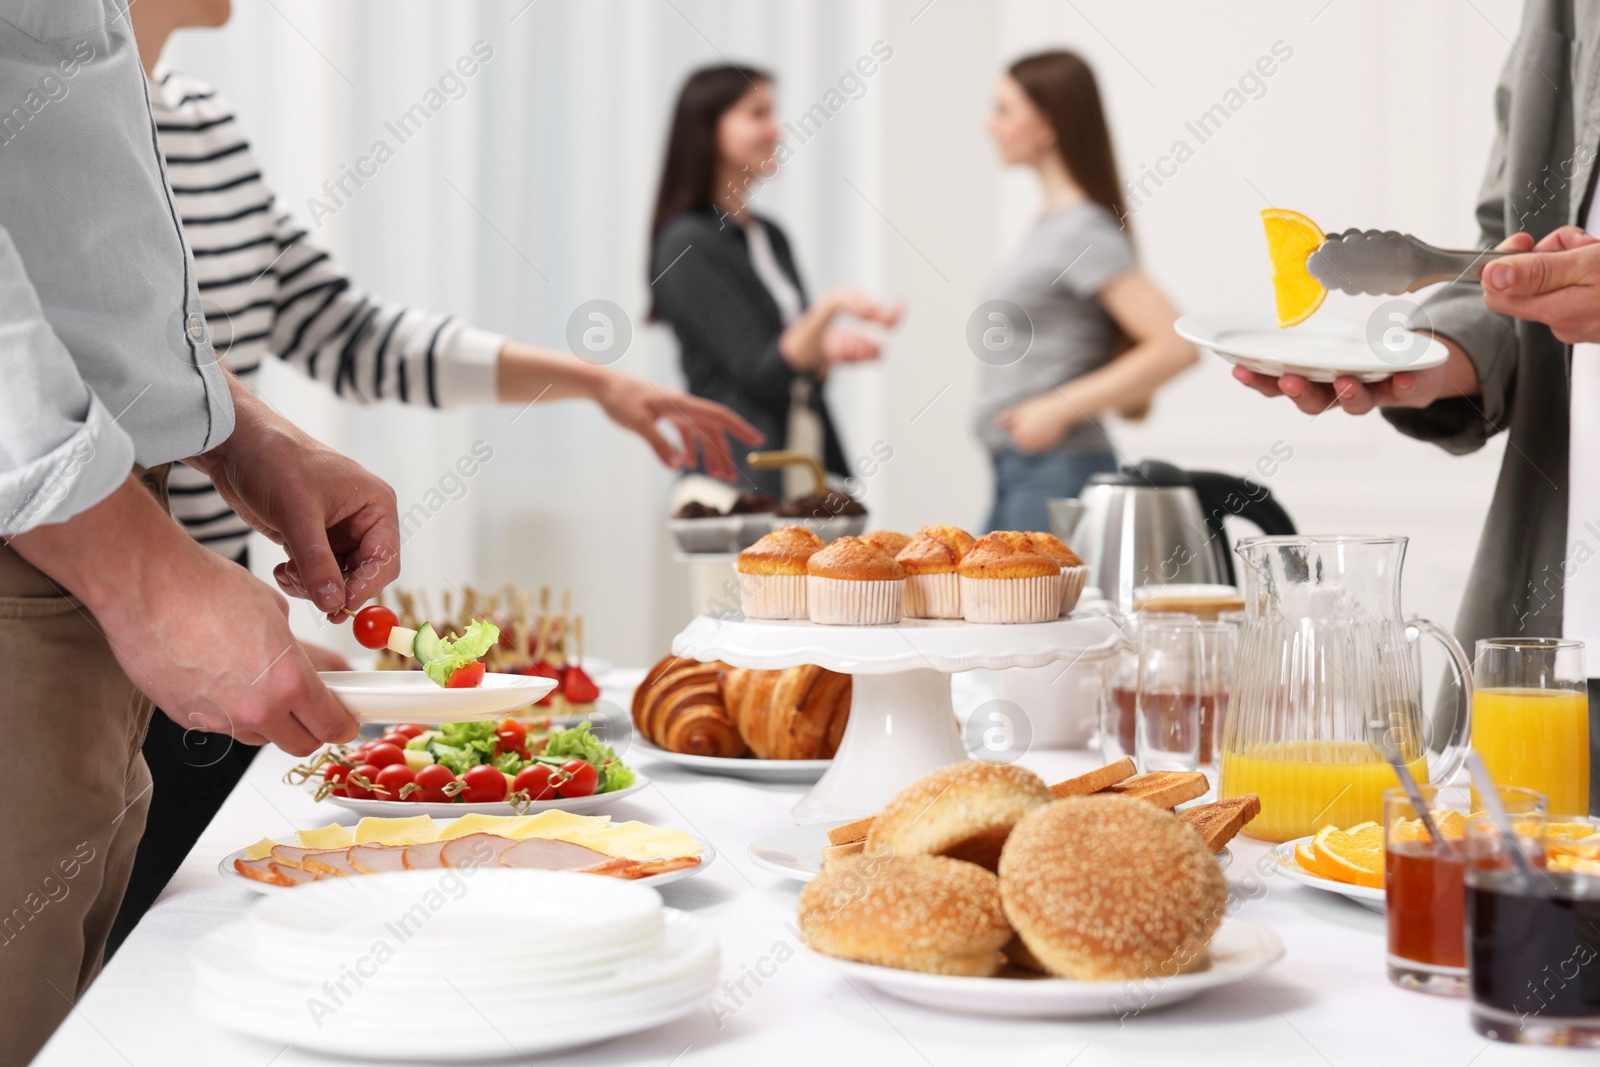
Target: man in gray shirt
(105, 604)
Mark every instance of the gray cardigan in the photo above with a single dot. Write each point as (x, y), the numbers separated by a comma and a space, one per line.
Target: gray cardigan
(1547, 108)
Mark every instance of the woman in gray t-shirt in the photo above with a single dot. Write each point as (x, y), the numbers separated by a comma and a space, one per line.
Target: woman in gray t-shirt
(1070, 327)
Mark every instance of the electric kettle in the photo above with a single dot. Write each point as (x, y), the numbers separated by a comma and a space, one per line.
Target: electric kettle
(1152, 523)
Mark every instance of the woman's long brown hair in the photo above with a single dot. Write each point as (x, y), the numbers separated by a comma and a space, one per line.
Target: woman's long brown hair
(1062, 86)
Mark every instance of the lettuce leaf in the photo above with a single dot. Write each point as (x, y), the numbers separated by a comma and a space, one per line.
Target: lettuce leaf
(459, 760)
(479, 637)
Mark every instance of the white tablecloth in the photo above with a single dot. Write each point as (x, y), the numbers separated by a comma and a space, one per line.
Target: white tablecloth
(1327, 1002)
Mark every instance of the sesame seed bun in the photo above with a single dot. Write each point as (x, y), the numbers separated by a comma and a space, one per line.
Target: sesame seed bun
(916, 913)
(965, 811)
(1102, 888)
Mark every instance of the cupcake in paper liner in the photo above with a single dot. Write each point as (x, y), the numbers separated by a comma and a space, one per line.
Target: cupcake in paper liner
(1074, 575)
(853, 583)
(933, 589)
(772, 574)
(1004, 579)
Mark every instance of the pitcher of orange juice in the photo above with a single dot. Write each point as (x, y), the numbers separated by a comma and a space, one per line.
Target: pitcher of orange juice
(1327, 667)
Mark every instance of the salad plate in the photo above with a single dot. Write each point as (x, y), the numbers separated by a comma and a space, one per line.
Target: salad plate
(411, 696)
(1283, 856)
(1239, 951)
(230, 874)
(450, 809)
(800, 771)
(1319, 350)
(796, 851)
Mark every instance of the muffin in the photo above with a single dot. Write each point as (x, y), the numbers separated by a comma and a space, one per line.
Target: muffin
(1005, 579)
(822, 506)
(754, 503)
(852, 583)
(933, 590)
(1073, 571)
(888, 540)
(772, 574)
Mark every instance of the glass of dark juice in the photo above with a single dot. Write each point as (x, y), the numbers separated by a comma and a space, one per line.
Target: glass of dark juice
(1533, 942)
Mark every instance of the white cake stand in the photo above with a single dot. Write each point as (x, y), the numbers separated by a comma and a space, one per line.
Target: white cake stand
(902, 722)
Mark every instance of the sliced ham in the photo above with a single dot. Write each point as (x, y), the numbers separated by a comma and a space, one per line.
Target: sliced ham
(428, 857)
(543, 854)
(293, 875)
(474, 850)
(291, 855)
(267, 870)
(335, 861)
(377, 859)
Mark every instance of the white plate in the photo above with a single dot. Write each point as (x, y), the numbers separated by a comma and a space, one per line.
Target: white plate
(796, 851)
(1319, 349)
(411, 696)
(1289, 867)
(803, 771)
(399, 809)
(225, 868)
(1239, 951)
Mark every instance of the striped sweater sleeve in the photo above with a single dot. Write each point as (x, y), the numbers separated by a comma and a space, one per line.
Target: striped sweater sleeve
(365, 348)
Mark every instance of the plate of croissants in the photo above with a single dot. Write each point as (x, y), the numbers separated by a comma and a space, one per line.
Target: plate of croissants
(766, 726)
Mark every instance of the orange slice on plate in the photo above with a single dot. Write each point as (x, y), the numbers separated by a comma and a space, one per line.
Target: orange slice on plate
(1291, 238)
(1354, 856)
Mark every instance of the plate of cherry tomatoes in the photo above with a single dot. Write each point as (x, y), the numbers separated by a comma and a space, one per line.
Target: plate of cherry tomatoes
(415, 770)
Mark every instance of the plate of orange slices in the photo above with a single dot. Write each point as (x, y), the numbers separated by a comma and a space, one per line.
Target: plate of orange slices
(1347, 862)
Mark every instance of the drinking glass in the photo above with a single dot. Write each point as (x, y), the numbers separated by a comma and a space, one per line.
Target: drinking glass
(1532, 941)
(1424, 887)
(1167, 716)
(1119, 687)
(1219, 644)
(1530, 717)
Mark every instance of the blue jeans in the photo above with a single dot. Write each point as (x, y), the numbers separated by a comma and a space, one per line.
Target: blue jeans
(1023, 481)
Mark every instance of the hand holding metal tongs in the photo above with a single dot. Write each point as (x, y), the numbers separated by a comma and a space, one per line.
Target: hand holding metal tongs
(1384, 261)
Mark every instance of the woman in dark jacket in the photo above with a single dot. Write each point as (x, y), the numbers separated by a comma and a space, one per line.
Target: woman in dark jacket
(725, 279)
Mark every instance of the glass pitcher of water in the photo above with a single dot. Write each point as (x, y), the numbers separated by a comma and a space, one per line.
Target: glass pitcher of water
(1326, 668)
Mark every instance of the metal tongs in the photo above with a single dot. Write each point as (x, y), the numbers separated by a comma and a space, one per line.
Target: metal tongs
(1384, 261)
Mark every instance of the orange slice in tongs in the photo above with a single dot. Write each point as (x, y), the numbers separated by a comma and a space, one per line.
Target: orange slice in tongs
(1291, 238)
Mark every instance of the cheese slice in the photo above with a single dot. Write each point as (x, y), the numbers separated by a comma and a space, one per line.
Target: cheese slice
(477, 823)
(417, 830)
(334, 836)
(637, 841)
(557, 825)
(260, 850)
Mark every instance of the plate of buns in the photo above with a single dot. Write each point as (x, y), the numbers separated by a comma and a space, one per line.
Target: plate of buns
(979, 888)
(800, 852)
(771, 726)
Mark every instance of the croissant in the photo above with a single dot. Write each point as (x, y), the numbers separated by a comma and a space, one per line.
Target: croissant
(797, 713)
(679, 707)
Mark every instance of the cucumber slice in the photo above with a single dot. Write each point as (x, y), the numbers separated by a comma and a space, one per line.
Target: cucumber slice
(402, 639)
(428, 644)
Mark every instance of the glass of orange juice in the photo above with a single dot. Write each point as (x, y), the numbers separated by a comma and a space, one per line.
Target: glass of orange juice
(1530, 717)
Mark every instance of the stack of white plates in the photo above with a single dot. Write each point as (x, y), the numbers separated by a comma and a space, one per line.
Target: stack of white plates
(455, 964)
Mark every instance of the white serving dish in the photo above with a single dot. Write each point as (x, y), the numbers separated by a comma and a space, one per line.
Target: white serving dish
(397, 809)
(1283, 857)
(1320, 349)
(411, 696)
(802, 771)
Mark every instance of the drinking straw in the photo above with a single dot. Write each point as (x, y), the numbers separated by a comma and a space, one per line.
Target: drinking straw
(1497, 813)
(1409, 784)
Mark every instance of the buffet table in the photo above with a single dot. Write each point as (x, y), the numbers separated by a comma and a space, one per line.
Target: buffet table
(1326, 1002)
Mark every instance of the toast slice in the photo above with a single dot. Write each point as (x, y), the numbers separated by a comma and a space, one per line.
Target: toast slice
(1096, 780)
(834, 852)
(851, 832)
(1220, 821)
(1164, 789)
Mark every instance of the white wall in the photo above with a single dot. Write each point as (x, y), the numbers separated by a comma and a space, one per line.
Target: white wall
(1381, 117)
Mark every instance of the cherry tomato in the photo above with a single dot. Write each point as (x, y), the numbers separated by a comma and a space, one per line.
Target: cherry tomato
(484, 785)
(385, 755)
(431, 781)
(395, 738)
(545, 669)
(534, 780)
(468, 677)
(578, 687)
(581, 778)
(409, 729)
(372, 624)
(355, 791)
(392, 779)
(511, 735)
(335, 775)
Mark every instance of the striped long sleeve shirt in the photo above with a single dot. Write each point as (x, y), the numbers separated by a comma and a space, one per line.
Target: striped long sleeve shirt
(268, 290)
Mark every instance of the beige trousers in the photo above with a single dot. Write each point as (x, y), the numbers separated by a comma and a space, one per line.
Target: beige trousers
(76, 792)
